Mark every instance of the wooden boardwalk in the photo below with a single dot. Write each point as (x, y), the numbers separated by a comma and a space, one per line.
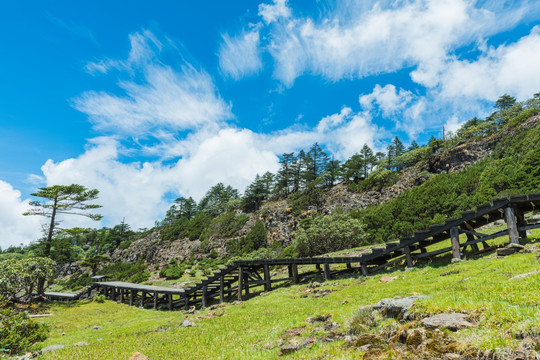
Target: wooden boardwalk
(240, 278)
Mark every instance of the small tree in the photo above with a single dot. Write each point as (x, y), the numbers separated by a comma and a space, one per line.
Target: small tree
(95, 262)
(61, 199)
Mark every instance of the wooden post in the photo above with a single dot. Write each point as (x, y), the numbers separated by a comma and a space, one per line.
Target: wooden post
(122, 295)
(364, 268)
(113, 294)
(155, 299)
(204, 302)
(268, 281)
(454, 235)
(240, 282)
(290, 270)
(510, 219)
(130, 297)
(327, 274)
(349, 265)
(170, 302)
(221, 289)
(186, 302)
(143, 295)
(408, 256)
(520, 217)
(246, 285)
(294, 268)
(318, 267)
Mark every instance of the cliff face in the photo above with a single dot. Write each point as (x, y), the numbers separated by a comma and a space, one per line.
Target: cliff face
(281, 222)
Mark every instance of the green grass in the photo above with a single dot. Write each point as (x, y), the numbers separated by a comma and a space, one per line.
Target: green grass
(252, 329)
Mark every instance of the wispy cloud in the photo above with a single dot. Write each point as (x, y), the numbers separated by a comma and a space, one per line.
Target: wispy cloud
(75, 29)
(240, 56)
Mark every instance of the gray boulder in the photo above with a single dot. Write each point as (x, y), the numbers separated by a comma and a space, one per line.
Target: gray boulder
(452, 321)
(397, 308)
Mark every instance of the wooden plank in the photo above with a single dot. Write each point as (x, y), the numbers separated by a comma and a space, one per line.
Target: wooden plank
(454, 235)
(170, 299)
(121, 295)
(130, 297)
(143, 295)
(364, 268)
(155, 300)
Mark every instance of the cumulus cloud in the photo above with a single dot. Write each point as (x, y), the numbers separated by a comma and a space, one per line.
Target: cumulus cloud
(387, 98)
(240, 56)
(15, 228)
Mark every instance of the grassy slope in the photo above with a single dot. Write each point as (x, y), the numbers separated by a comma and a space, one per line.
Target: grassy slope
(253, 329)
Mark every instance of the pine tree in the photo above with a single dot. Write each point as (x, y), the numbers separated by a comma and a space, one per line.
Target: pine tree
(316, 160)
(285, 175)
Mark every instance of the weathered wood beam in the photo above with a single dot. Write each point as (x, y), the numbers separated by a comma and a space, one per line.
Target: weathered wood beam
(204, 296)
(267, 279)
(170, 299)
(510, 218)
(221, 289)
(327, 273)
(121, 295)
(454, 235)
(294, 268)
(143, 295)
(155, 300)
(364, 268)
(240, 282)
(130, 297)
(408, 257)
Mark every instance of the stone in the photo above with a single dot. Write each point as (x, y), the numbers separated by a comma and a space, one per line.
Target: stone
(522, 276)
(288, 349)
(397, 308)
(81, 343)
(451, 321)
(387, 279)
(505, 251)
(138, 356)
(97, 327)
(52, 348)
(187, 323)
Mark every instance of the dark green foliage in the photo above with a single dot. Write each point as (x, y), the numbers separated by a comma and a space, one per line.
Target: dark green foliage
(173, 271)
(377, 180)
(76, 281)
(217, 199)
(514, 168)
(132, 272)
(329, 233)
(254, 239)
(225, 226)
(95, 262)
(18, 332)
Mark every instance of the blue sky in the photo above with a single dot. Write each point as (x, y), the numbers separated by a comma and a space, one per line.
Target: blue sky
(150, 101)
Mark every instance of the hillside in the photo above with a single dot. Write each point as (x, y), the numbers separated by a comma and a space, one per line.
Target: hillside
(460, 175)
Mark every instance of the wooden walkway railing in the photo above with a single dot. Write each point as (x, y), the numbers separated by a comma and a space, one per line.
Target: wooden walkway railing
(238, 279)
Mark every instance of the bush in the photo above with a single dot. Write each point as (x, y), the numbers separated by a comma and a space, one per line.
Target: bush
(254, 239)
(133, 272)
(99, 298)
(329, 233)
(173, 271)
(18, 332)
(19, 277)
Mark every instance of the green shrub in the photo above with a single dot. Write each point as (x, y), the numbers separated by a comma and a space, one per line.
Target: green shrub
(133, 272)
(254, 239)
(19, 277)
(76, 281)
(173, 272)
(18, 332)
(99, 298)
(329, 233)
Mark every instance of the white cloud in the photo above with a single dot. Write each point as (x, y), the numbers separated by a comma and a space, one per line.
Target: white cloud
(387, 99)
(15, 228)
(510, 68)
(275, 11)
(240, 56)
